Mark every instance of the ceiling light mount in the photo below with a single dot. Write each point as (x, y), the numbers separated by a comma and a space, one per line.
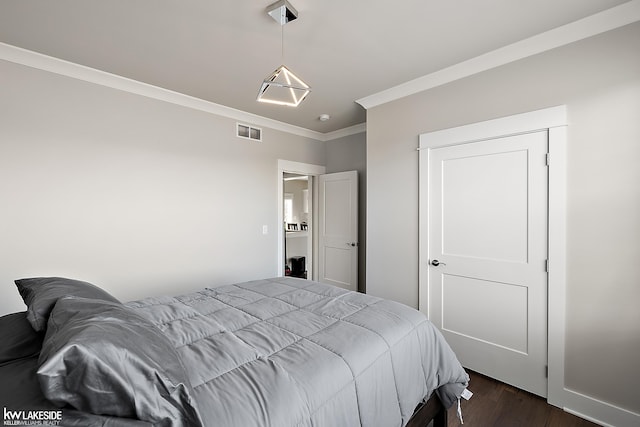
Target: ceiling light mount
(282, 11)
(282, 87)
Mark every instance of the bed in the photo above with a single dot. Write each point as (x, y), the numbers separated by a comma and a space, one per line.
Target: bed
(275, 352)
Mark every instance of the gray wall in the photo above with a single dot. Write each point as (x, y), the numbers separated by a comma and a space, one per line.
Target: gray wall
(599, 81)
(347, 154)
(136, 195)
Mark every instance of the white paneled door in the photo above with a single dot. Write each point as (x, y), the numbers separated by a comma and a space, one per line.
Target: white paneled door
(338, 231)
(487, 238)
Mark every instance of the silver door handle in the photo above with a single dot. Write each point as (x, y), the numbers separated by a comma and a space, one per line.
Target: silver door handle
(352, 244)
(436, 263)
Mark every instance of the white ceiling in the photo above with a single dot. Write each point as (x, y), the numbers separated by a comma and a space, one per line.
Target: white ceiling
(221, 50)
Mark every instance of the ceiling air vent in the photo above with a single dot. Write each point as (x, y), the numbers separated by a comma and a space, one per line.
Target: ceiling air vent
(249, 132)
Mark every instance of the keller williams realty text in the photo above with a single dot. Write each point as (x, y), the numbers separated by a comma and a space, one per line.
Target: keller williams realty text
(31, 418)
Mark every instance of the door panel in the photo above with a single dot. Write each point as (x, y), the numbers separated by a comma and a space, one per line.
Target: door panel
(473, 187)
(500, 301)
(337, 263)
(488, 230)
(338, 233)
(337, 207)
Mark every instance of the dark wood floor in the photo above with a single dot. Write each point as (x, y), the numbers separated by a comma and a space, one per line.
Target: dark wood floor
(495, 404)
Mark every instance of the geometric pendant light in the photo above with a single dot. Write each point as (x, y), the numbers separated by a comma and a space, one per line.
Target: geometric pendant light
(282, 87)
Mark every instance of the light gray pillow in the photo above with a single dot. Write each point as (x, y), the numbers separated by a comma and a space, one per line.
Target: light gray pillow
(102, 357)
(41, 293)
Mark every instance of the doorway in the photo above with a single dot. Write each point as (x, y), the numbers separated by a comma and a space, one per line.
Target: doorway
(331, 224)
(296, 170)
(298, 225)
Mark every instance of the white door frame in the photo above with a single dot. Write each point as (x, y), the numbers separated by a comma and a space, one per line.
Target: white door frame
(555, 121)
(301, 169)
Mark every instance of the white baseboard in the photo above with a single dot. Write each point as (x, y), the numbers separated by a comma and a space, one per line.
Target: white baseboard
(597, 411)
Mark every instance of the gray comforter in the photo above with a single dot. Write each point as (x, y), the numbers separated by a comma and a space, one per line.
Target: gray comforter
(290, 352)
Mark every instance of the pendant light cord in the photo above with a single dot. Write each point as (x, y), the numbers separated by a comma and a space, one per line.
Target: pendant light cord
(282, 43)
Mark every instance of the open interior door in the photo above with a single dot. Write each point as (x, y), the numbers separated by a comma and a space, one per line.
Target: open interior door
(338, 229)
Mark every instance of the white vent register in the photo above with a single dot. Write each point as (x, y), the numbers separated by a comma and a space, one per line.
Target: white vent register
(248, 132)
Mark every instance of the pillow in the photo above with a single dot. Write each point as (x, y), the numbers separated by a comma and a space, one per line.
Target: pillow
(102, 357)
(17, 339)
(41, 293)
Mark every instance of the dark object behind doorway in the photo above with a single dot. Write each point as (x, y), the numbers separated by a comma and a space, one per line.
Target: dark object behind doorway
(298, 267)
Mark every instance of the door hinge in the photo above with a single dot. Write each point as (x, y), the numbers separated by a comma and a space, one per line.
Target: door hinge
(546, 371)
(547, 158)
(546, 265)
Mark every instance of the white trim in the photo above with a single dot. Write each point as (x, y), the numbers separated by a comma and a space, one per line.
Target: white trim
(597, 411)
(302, 169)
(423, 226)
(557, 263)
(80, 72)
(512, 125)
(607, 20)
(555, 120)
(341, 133)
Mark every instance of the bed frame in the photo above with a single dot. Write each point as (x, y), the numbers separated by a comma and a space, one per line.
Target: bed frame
(427, 411)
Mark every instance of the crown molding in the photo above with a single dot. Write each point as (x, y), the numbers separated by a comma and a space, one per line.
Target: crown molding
(624, 14)
(80, 72)
(341, 133)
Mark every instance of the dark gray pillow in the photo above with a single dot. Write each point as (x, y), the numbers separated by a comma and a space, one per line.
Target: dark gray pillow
(17, 338)
(41, 293)
(104, 358)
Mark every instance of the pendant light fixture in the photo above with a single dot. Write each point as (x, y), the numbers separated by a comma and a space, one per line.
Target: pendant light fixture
(283, 87)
